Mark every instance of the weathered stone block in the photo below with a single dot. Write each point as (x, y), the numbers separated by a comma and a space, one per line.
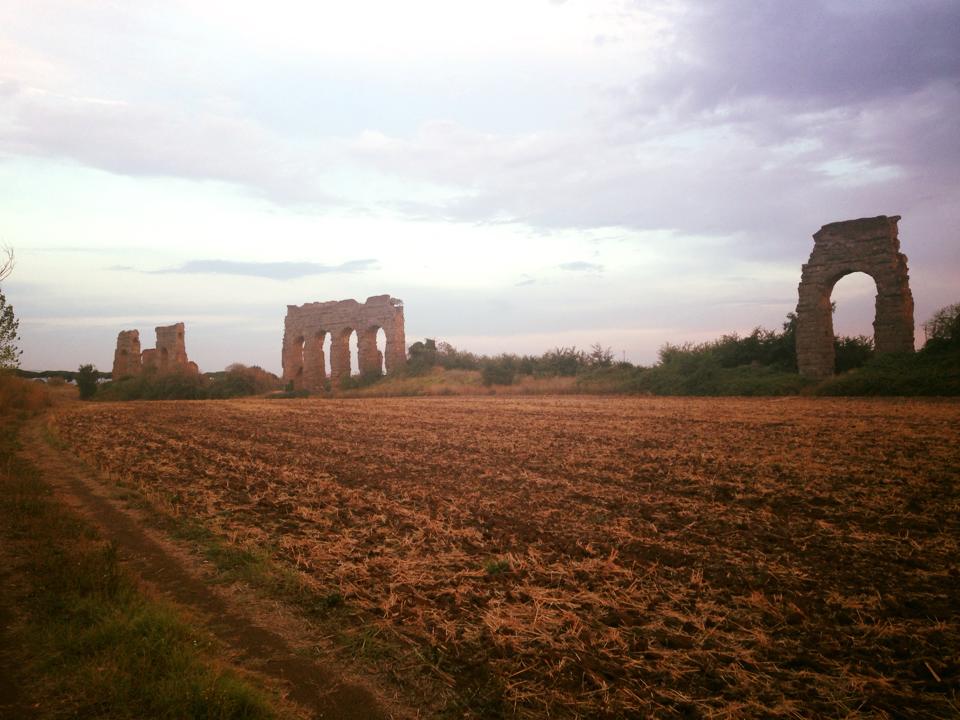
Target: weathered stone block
(126, 358)
(170, 355)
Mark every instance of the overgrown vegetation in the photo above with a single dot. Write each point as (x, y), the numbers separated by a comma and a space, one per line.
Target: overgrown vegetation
(934, 370)
(762, 363)
(85, 639)
(87, 381)
(9, 352)
(20, 398)
(236, 381)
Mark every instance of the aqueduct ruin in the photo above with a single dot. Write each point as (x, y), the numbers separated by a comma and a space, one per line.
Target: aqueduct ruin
(868, 245)
(306, 327)
(169, 355)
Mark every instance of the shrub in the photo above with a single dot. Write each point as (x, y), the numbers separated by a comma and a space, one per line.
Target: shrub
(942, 330)
(21, 396)
(851, 352)
(449, 358)
(421, 356)
(87, 381)
(498, 371)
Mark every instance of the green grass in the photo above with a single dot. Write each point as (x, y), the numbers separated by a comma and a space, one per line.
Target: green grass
(90, 643)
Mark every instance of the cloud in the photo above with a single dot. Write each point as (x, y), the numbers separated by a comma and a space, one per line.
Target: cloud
(272, 270)
(819, 52)
(153, 139)
(581, 266)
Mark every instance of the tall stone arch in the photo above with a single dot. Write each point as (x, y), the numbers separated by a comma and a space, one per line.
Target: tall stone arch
(868, 245)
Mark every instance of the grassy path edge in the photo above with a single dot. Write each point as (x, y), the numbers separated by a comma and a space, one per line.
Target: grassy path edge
(85, 639)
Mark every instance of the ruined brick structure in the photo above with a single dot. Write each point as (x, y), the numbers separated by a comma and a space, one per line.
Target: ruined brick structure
(126, 358)
(306, 327)
(170, 354)
(868, 245)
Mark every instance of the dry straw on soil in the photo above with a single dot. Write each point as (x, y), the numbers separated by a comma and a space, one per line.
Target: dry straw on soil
(584, 557)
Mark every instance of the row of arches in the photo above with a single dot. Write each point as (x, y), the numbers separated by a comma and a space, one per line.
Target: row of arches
(331, 356)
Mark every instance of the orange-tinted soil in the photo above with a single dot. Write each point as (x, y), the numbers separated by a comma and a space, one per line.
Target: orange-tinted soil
(598, 557)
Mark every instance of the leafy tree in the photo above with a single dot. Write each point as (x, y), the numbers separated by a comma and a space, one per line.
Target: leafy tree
(9, 353)
(450, 358)
(943, 329)
(421, 356)
(87, 381)
(851, 352)
(600, 356)
(561, 361)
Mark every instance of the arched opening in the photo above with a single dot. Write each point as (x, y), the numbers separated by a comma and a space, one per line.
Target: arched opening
(854, 302)
(325, 344)
(164, 357)
(354, 353)
(340, 360)
(853, 311)
(382, 349)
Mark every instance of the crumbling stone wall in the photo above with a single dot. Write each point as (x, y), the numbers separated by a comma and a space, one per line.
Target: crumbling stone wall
(170, 354)
(868, 245)
(306, 327)
(126, 358)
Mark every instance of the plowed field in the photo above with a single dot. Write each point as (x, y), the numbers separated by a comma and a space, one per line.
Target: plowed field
(597, 557)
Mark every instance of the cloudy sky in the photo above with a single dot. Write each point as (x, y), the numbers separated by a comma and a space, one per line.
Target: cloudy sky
(523, 174)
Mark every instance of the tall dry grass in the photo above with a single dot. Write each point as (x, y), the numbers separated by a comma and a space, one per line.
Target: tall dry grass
(20, 396)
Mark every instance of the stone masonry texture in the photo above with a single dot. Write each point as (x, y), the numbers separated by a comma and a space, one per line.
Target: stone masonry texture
(170, 354)
(307, 326)
(868, 245)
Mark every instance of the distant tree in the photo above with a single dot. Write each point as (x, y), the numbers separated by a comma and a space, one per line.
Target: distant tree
(87, 381)
(561, 361)
(9, 325)
(599, 356)
(943, 329)
(421, 356)
(450, 358)
(851, 352)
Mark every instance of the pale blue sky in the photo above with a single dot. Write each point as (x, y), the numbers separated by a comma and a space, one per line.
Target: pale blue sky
(522, 175)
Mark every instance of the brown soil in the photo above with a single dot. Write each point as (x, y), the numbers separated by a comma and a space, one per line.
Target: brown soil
(598, 557)
(254, 639)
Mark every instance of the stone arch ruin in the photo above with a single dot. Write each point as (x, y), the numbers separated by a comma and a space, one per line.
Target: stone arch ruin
(170, 354)
(306, 327)
(867, 245)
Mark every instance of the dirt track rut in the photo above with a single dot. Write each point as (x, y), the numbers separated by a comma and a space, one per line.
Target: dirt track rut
(318, 688)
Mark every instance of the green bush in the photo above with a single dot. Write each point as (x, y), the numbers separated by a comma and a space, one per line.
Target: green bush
(421, 357)
(851, 352)
(87, 381)
(449, 358)
(236, 381)
(928, 372)
(498, 371)
(943, 329)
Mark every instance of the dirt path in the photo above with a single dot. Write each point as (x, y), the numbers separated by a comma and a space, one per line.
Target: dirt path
(178, 576)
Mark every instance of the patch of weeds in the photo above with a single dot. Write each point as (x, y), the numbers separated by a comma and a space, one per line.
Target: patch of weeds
(52, 438)
(89, 643)
(366, 642)
(496, 566)
(328, 602)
